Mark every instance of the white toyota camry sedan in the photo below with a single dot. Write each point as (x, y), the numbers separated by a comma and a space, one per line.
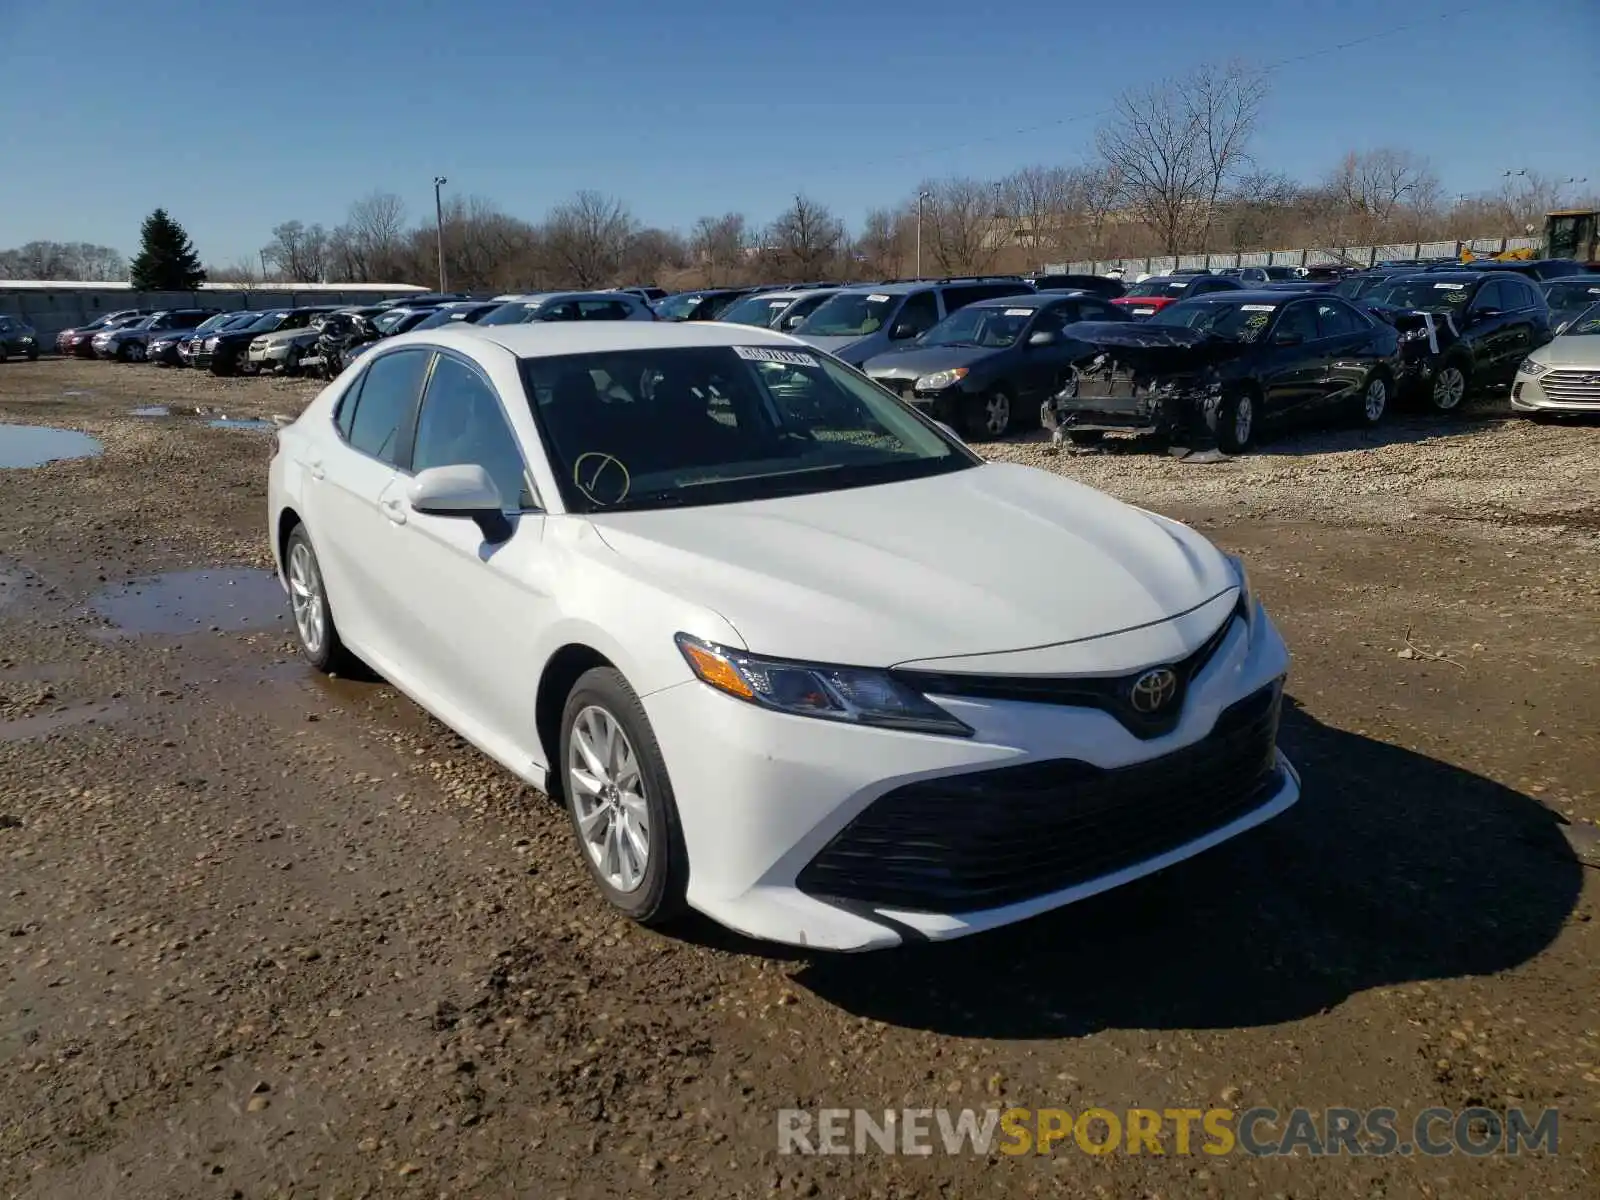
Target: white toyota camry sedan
(787, 650)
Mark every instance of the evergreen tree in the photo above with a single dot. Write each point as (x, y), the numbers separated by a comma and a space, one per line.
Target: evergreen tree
(166, 261)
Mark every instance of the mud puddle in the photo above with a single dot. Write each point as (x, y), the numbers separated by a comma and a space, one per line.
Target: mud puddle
(255, 424)
(223, 600)
(151, 410)
(35, 445)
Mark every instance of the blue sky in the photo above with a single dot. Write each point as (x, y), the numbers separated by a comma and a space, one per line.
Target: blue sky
(236, 116)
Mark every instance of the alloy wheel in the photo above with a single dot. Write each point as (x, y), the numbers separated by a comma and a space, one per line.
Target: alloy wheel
(1244, 419)
(608, 798)
(1449, 386)
(996, 413)
(1375, 400)
(305, 598)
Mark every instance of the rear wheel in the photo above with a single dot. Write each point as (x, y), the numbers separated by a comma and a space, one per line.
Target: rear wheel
(308, 603)
(620, 800)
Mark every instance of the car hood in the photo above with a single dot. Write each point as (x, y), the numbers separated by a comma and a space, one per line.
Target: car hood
(1162, 349)
(286, 335)
(839, 347)
(1570, 350)
(992, 559)
(916, 361)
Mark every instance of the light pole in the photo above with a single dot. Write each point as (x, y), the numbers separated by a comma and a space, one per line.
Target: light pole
(438, 216)
(922, 198)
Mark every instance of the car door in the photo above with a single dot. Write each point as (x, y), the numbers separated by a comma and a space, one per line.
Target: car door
(1293, 364)
(351, 473)
(1041, 370)
(473, 609)
(1345, 335)
(1491, 328)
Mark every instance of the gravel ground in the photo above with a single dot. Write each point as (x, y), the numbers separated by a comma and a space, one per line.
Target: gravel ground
(274, 935)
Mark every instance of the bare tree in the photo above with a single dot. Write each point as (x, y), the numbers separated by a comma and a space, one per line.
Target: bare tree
(371, 244)
(959, 225)
(1255, 208)
(298, 251)
(1373, 185)
(63, 260)
(883, 243)
(719, 244)
(651, 251)
(806, 238)
(244, 270)
(1176, 146)
(589, 235)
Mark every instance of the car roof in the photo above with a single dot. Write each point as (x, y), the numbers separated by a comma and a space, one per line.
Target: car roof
(1468, 276)
(547, 338)
(1252, 295)
(1027, 299)
(1589, 277)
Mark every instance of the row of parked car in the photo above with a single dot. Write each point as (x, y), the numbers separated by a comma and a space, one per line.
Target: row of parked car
(1200, 356)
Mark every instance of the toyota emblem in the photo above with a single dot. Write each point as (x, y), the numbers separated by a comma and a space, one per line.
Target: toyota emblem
(1153, 691)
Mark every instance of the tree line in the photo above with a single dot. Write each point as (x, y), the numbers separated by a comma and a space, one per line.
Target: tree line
(1171, 171)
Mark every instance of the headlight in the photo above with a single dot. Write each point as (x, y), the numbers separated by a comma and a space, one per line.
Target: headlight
(1529, 367)
(941, 379)
(857, 695)
(1414, 335)
(211, 343)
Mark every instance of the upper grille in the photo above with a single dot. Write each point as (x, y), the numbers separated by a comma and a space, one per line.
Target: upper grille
(964, 843)
(1108, 693)
(1573, 386)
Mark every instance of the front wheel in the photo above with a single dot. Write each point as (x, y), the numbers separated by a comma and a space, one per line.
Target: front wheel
(989, 415)
(1373, 400)
(1233, 421)
(1449, 387)
(620, 800)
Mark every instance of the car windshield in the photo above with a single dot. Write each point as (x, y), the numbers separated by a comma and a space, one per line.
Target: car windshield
(1585, 324)
(265, 323)
(850, 314)
(512, 312)
(717, 424)
(979, 325)
(443, 316)
(1435, 296)
(675, 308)
(1573, 293)
(756, 310)
(1232, 320)
(1160, 287)
(391, 321)
(216, 321)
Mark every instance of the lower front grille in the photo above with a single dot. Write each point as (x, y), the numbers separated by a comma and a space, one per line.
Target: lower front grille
(1573, 387)
(964, 843)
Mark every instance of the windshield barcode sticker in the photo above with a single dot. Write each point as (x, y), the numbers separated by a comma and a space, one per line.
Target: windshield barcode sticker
(1257, 307)
(793, 358)
(876, 298)
(1019, 312)
(1450, 287)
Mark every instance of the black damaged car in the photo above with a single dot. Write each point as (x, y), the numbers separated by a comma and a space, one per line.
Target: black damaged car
(1208, 373)
(985, 364)
(1461, 330)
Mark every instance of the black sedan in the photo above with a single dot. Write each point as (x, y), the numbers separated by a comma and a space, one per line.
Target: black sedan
(1210, 372)
(18, 337)
(987, 363)
(164, 346)
(704, 305)
(1462, 330)
(224, 350)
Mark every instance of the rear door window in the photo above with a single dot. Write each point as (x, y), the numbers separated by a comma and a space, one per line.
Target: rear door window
(388, 389)
(921, 311)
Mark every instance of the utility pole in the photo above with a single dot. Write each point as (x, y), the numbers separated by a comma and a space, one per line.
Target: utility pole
(922, 198)
(438, 216)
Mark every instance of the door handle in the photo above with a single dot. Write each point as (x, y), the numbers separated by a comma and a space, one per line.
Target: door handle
(394, 510)
(318, 471)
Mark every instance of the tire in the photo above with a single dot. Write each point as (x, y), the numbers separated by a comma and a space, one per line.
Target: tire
(1234, 421)
(1373, 399)
(2, 352)
(220, 368)
(33, 354)
(1086, 437)
(319, 639)
(627, 799)
(125, 353)
(990, 415)
(1447, 393)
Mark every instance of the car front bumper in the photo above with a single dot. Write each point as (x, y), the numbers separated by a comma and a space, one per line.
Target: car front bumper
(770, 805)
(271, 356)
(1530, 395)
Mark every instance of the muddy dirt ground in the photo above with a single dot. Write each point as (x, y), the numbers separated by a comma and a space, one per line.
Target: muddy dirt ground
(266, 934)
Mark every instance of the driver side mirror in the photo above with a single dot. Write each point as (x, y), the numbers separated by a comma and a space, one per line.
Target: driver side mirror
(791, 322)
(461, 490)
(1042, 337)
(902, 331)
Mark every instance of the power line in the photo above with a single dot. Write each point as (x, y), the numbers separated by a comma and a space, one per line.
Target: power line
(1276, 65)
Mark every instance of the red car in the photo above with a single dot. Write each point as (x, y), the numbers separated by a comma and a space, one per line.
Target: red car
(1150, 296)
